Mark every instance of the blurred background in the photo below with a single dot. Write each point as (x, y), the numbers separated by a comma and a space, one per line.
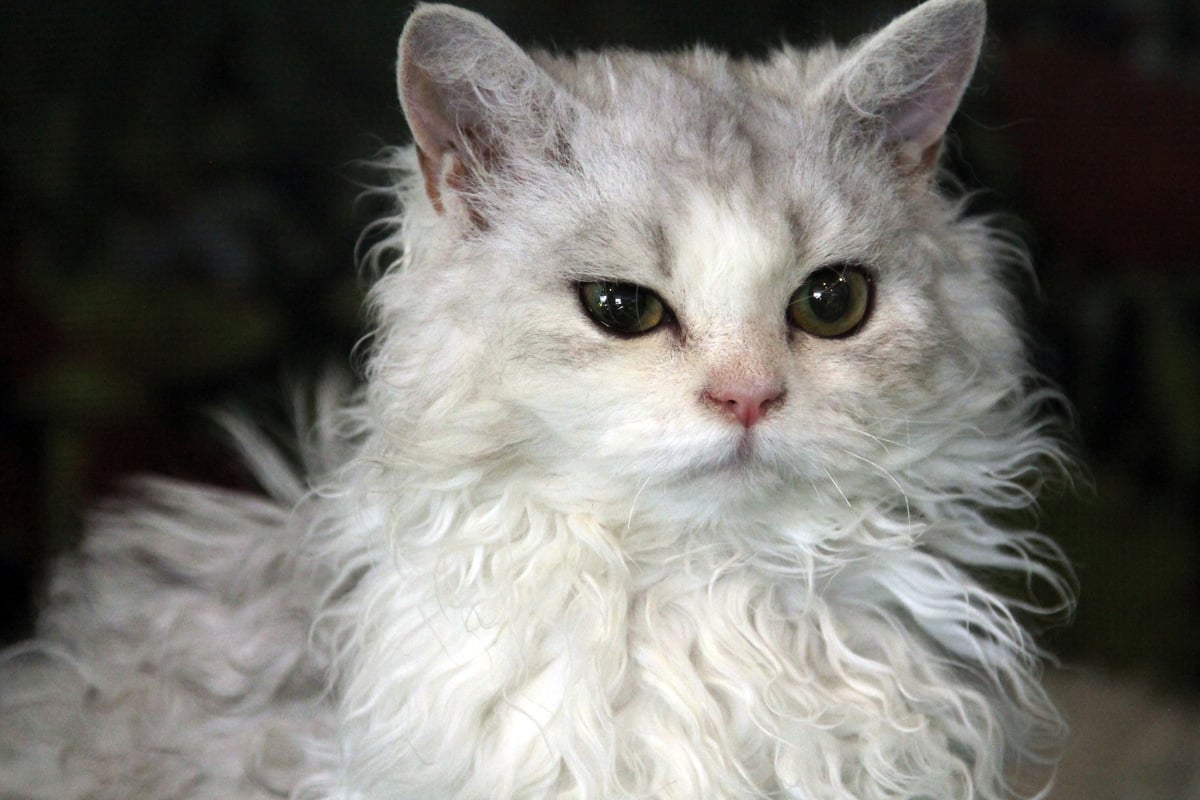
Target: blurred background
(178, 218)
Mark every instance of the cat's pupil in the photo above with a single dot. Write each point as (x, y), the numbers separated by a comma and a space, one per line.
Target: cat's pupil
(829, 295)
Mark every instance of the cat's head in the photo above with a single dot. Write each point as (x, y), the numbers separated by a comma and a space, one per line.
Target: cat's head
(694, 285)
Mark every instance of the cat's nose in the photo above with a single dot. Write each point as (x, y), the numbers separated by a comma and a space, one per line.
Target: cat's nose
(746, 404)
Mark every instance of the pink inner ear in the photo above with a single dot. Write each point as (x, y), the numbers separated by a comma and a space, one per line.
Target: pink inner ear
(917, 151)
(431, 170)
(440, 142)
(432, 132)
(918, 122)
(439, 118)
(449, 171)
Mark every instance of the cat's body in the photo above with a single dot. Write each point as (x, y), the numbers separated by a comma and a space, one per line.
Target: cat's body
(547, 554)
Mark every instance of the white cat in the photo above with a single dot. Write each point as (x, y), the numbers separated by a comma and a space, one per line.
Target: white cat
(691, 407)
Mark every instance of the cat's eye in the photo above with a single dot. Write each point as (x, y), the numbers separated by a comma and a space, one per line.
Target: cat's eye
(832, 301)
(623, 308)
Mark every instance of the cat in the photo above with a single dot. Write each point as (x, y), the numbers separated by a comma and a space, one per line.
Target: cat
(691, 409)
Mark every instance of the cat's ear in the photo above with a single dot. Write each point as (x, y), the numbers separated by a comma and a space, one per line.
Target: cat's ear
(905, 82)
(475, 102)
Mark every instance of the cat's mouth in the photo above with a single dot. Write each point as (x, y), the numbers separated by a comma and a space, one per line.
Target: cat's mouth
(744, 452)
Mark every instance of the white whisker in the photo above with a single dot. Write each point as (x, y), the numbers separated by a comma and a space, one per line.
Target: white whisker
(887, 474)
(633, 503)
(833, 480)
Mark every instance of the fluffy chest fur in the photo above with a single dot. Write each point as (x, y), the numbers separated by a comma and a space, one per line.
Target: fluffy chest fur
(520, 652)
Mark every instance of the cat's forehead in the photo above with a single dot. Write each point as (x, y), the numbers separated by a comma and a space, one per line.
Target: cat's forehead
(719, 244)
(716, 169)
(687, 217)
(728, 248)
(696, 105)
(628, 81)
(698, 123)
(719, 239)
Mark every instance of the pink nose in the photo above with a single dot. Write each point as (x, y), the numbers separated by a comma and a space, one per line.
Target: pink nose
(746, 404)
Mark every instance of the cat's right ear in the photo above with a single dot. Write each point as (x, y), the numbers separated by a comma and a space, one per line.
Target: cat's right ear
(903, 84)
(475, 102)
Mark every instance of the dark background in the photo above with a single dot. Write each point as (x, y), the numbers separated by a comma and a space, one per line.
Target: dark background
(178, 219)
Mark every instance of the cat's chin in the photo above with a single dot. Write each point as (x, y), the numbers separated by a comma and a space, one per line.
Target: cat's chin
(742, 458)
(740, 470)
(748, 452)
(725, 503)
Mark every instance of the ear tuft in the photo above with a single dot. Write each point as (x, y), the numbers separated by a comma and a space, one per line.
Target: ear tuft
(911, 77)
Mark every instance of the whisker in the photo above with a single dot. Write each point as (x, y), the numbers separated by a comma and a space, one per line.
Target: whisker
(890, 477)
(832, 480)
(633, 505)
(882, 440)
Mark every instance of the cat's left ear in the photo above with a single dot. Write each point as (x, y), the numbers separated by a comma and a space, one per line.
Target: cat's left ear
(905, 83)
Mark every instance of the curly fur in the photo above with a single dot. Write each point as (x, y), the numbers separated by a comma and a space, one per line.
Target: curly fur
(525, 560)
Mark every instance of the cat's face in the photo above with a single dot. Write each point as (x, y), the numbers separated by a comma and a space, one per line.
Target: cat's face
(705, 296)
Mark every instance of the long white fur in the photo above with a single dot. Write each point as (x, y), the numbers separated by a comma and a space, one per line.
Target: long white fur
(525, 560)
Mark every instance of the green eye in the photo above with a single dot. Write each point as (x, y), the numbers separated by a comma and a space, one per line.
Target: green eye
(623, 308)
(832, 302)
